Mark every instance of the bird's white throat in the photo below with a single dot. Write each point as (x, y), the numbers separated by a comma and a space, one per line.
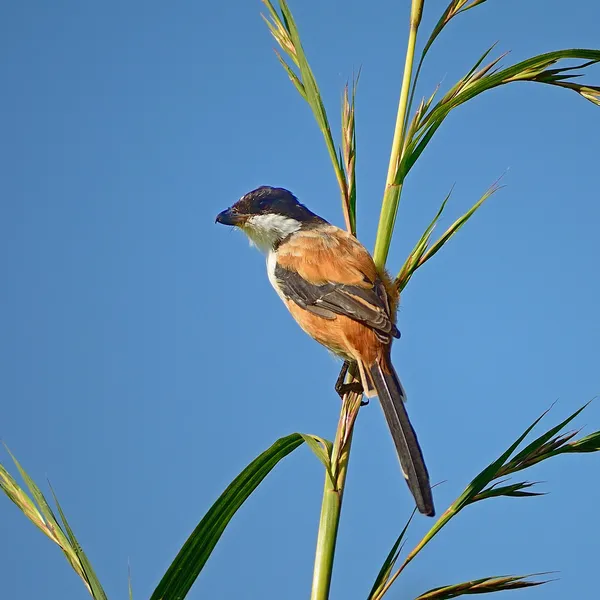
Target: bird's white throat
(265, 231)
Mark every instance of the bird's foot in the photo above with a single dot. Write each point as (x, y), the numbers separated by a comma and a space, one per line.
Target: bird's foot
(343, 388)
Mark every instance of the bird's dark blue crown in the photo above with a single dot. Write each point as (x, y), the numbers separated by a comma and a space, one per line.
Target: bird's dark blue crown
(269, 200)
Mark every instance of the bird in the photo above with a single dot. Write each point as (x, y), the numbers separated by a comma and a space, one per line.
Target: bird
(329, 283)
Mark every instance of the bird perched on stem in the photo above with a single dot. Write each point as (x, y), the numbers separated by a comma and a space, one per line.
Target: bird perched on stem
(331, 286)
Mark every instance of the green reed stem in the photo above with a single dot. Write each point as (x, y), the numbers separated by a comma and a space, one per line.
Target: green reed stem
(393, 186)
(332, 498)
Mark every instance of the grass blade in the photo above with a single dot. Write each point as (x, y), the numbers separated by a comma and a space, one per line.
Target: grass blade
(590, 443)
(485, 585)
(411, 264)
(449, 233)
(95, 587)
(129, 584)
(14, 491)
(284, 30)
(535, 69)
(321, 449)
(192, 557)
(514, 490)
(48, 516)
(349, 155)
(390, 561)
(453, 9)
(422, 252)
(39, 512)
(478, 490)
(522, 459)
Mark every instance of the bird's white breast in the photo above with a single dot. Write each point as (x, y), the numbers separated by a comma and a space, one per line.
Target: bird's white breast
(271, 264)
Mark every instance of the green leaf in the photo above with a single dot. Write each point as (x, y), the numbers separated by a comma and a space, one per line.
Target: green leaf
(46, 522)
(491, 471)
(476, 491)
(313, 96)
(293, 77)
(535, 69)
(515, 463)
(514, 490)
(348, 154)
(322, 450)
(590, 443)
(422, 252)
(284, 30)
(37, 494)
(192, 557)
(12, 489)
(411, 264)
(390, 561)
(454, 8)
(485, 585)
(129, 585)
(90, 576)
(449, 233)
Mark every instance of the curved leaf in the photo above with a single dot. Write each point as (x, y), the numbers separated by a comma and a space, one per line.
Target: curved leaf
(192, 557)
(485, 585)
(285, 31)
(534, 69)
(390, 561)
(321, 449)
(39, 512)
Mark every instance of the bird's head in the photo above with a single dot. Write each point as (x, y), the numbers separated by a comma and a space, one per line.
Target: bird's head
(268, 215)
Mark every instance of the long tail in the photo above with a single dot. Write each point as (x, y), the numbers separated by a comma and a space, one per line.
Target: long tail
(391, 396)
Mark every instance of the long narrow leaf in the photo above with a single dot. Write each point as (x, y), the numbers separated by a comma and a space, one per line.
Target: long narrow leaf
(449, 233)
(513, 465)
(452, 10)
(422, 252)
(533, 69)
(469, 496)
(285, 31)
(39, 512)
(411, 264)
(590, 443)
(514, 490)
(192, 557)
(13, 490)
(48, 523)
(321, 449)
(390, 561)
(129, 584)
(348, 154)
(38, 496)
(485, 585)
(90, 576)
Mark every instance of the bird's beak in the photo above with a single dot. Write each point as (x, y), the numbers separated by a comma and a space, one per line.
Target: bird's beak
(229, 217)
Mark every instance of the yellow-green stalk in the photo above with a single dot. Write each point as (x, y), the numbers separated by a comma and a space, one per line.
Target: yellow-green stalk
(391, 197)
(333, 492)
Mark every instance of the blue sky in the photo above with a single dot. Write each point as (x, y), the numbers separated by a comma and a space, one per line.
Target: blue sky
(145, 360)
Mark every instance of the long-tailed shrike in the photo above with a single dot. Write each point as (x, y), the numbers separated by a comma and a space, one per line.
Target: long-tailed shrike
(331, 286)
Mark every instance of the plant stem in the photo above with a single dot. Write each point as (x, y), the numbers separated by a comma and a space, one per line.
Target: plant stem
(326, 540)
(393, 187)
(332, 498)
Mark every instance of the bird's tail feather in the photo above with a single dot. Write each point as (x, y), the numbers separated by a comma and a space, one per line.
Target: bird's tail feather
(391, 396)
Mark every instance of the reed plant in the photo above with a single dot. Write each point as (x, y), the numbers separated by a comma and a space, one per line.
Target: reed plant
(415, 126)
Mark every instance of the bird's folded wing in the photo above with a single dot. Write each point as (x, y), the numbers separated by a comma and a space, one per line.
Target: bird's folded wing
(367, 305)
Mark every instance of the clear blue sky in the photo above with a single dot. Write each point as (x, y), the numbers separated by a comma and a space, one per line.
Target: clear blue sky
(145, 360)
